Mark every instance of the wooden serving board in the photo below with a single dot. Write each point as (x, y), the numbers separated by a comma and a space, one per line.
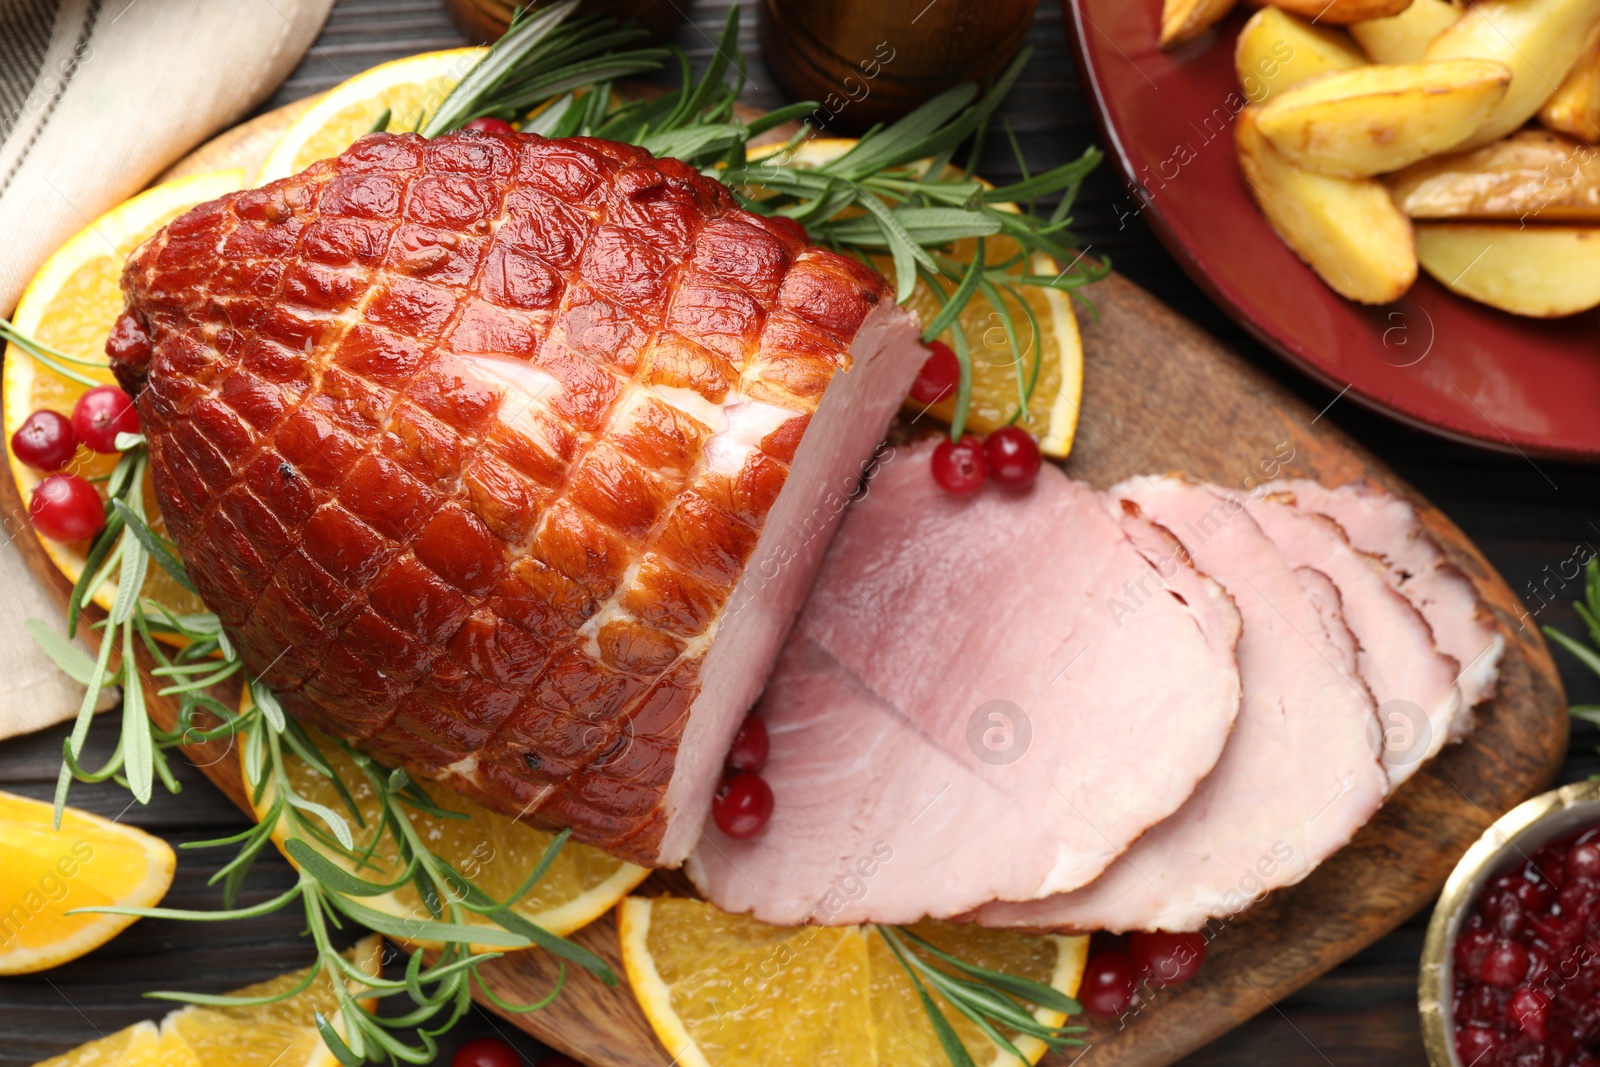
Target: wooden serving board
(1160, 395)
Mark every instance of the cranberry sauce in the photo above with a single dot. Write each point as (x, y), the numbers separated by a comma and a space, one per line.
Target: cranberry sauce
(1527, 962)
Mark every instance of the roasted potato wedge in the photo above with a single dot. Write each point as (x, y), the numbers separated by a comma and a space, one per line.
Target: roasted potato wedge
(1540, 40)
(1346, 229)
(1184, 20)
(1277, 50)
(1343, 12)
(1541, 271)
(1404, 38)
(1533, 174)
(1575, 107)
(1376, 119)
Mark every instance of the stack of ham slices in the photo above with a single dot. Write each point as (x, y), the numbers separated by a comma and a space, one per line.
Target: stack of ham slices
(1140, 709)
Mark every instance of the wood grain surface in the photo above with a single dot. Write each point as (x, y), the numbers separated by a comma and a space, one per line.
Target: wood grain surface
(1161, 395)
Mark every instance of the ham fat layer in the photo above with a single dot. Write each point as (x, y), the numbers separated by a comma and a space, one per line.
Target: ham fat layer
(510, 459)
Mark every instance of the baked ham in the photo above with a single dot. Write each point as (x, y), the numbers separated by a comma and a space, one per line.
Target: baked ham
(985, 697)
(928, 606)
(477, 446)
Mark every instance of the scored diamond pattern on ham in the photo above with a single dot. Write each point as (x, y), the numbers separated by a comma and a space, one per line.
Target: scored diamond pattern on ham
(468, 442)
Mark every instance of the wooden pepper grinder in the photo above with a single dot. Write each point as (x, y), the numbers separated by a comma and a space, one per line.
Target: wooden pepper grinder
(870, 61)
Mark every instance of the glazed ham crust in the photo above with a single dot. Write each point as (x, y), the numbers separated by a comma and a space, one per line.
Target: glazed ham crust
(468, 440)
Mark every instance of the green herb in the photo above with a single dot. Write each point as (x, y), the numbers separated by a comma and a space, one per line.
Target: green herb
(1589, 611)
(541, 57)
(993, 1001)
(322, 845)
(894, 192)
(56, 360)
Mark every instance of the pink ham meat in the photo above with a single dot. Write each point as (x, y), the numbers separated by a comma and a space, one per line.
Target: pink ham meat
(985, 698)
(1412, 682)
(1386, 526)
(1300, 773)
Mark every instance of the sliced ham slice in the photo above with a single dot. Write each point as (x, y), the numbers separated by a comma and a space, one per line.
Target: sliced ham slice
(1411, 680)
(1300, 773)
(908, 782)
(1384, 525)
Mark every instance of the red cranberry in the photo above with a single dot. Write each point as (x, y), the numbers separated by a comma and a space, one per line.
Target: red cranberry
(1527, 1011)
(1013, 457)
(784, 224)
(939, 376)
(1530, 895)
(743, 805)
(101, 414)
(1168, 959)
(490, 125)
(45, 441)
(1576, 901)
(1584, 862)
(65, 507)
(1108, 983)
(1475, 1044)
(750, 745)
(1505, 913)
(1505, 965)
(1481, 1004)
(959, 466)
(1586, 1021)
(1559, 934)
(1471, 947)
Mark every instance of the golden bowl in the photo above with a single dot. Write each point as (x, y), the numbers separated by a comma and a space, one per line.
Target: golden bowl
(1502, 847)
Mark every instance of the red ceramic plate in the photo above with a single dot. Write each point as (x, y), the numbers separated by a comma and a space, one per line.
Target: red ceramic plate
(1432, 359)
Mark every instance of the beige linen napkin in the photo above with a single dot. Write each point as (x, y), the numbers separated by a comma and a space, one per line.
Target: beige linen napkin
(96, 98)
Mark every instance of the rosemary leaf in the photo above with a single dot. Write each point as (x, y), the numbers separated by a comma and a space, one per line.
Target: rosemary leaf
(266, 907)
(72, 660)
(137, 747)
(81, 592)
(135, 565)
(334, 821)
(951, 311)
(72, 747)
(414, 929)
(335, 878)
(267, 701)
(524, 1009)
(224, 1000)
(153, 545)
(335, 1043)
(1586, 655)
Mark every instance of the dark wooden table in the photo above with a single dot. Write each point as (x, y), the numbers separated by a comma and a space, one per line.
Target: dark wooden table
(1530, 517)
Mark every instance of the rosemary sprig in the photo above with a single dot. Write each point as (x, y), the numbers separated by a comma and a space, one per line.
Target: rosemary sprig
(330, 889)
(993, 1001)
(55, 359)
(541, 57)
(894, 192)
(1588, 609)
